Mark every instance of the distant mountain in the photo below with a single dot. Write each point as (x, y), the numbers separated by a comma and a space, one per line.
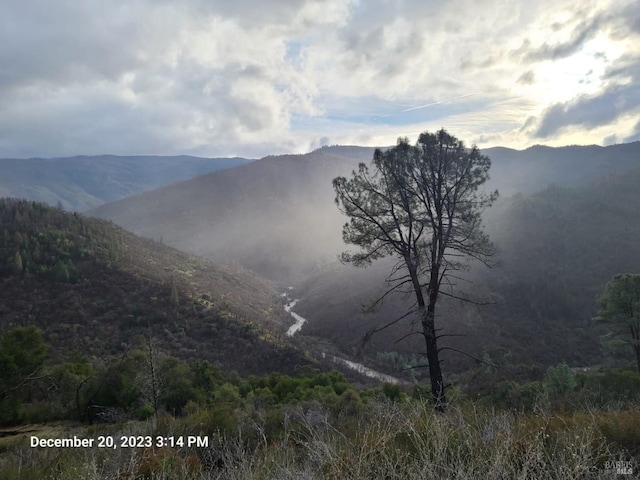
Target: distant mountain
(277, 215)
(537, 167)
(93, 287)
(80, 183)
(559, 227)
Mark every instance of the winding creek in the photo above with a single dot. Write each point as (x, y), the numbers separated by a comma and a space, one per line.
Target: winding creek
(358, 367)
(293, 329)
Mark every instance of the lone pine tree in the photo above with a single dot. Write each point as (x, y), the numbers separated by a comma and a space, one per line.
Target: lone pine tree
(421, 204)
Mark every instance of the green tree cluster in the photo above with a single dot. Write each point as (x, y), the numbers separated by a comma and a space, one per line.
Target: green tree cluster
(620, 311)
(117, 389)
(22, 353)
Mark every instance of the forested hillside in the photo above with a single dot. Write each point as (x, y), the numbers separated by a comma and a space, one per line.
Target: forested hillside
(556, 250)
(92, 288)
(527, 171)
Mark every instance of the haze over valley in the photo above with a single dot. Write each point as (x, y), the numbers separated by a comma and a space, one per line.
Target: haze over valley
(263, 233)
(320, 239)
(276, 217)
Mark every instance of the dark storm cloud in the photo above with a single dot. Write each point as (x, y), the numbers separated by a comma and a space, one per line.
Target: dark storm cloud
(587, 111)
(62, 42)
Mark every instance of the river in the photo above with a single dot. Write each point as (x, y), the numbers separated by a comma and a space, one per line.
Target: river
(358, 367)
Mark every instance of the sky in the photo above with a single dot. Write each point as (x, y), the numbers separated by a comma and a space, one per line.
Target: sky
(257, 77)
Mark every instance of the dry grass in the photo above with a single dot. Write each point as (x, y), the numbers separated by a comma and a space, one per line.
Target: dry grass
(387, 441)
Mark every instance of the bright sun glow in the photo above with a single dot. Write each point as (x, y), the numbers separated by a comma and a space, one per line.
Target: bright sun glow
(580, 74)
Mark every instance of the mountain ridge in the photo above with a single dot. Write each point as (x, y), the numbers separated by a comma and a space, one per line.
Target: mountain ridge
(243, 214)
(277, 216)
(82, 182)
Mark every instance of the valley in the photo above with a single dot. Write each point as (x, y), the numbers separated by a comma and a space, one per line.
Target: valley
(320, 240)
(358, 367)
(276, 217)
(230, 298)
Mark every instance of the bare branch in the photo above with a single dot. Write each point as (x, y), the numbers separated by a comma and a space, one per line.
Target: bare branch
(381, 298)
(29, 378)
(466, 299)
(410, 334)
(373, 331)
(469, 355)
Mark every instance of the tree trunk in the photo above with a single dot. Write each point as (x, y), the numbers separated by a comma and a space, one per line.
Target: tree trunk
(435, 372)
(427, 314)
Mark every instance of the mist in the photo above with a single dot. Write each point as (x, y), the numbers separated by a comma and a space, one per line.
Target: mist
(84, 182)
(277, 217)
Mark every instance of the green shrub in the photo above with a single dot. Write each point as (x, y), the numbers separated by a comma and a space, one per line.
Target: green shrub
(559, 380)
(145, 412)
(392, 392)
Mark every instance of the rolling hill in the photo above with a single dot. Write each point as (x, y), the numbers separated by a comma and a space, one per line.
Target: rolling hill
(275, 215)
(92, 288)
(80, 183)
(563, 228)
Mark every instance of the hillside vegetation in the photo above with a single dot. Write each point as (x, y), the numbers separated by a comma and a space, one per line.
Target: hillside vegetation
(556, 250)
(92, 287)
(564, 225)
(323, 429)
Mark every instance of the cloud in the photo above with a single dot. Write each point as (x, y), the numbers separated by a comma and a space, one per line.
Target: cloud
(252, 78)
(620, 97)
(527, 77)
(578, 26)
(180, 77)
(635, 134)
(67, 42)
(583, 32)
(586, 112)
